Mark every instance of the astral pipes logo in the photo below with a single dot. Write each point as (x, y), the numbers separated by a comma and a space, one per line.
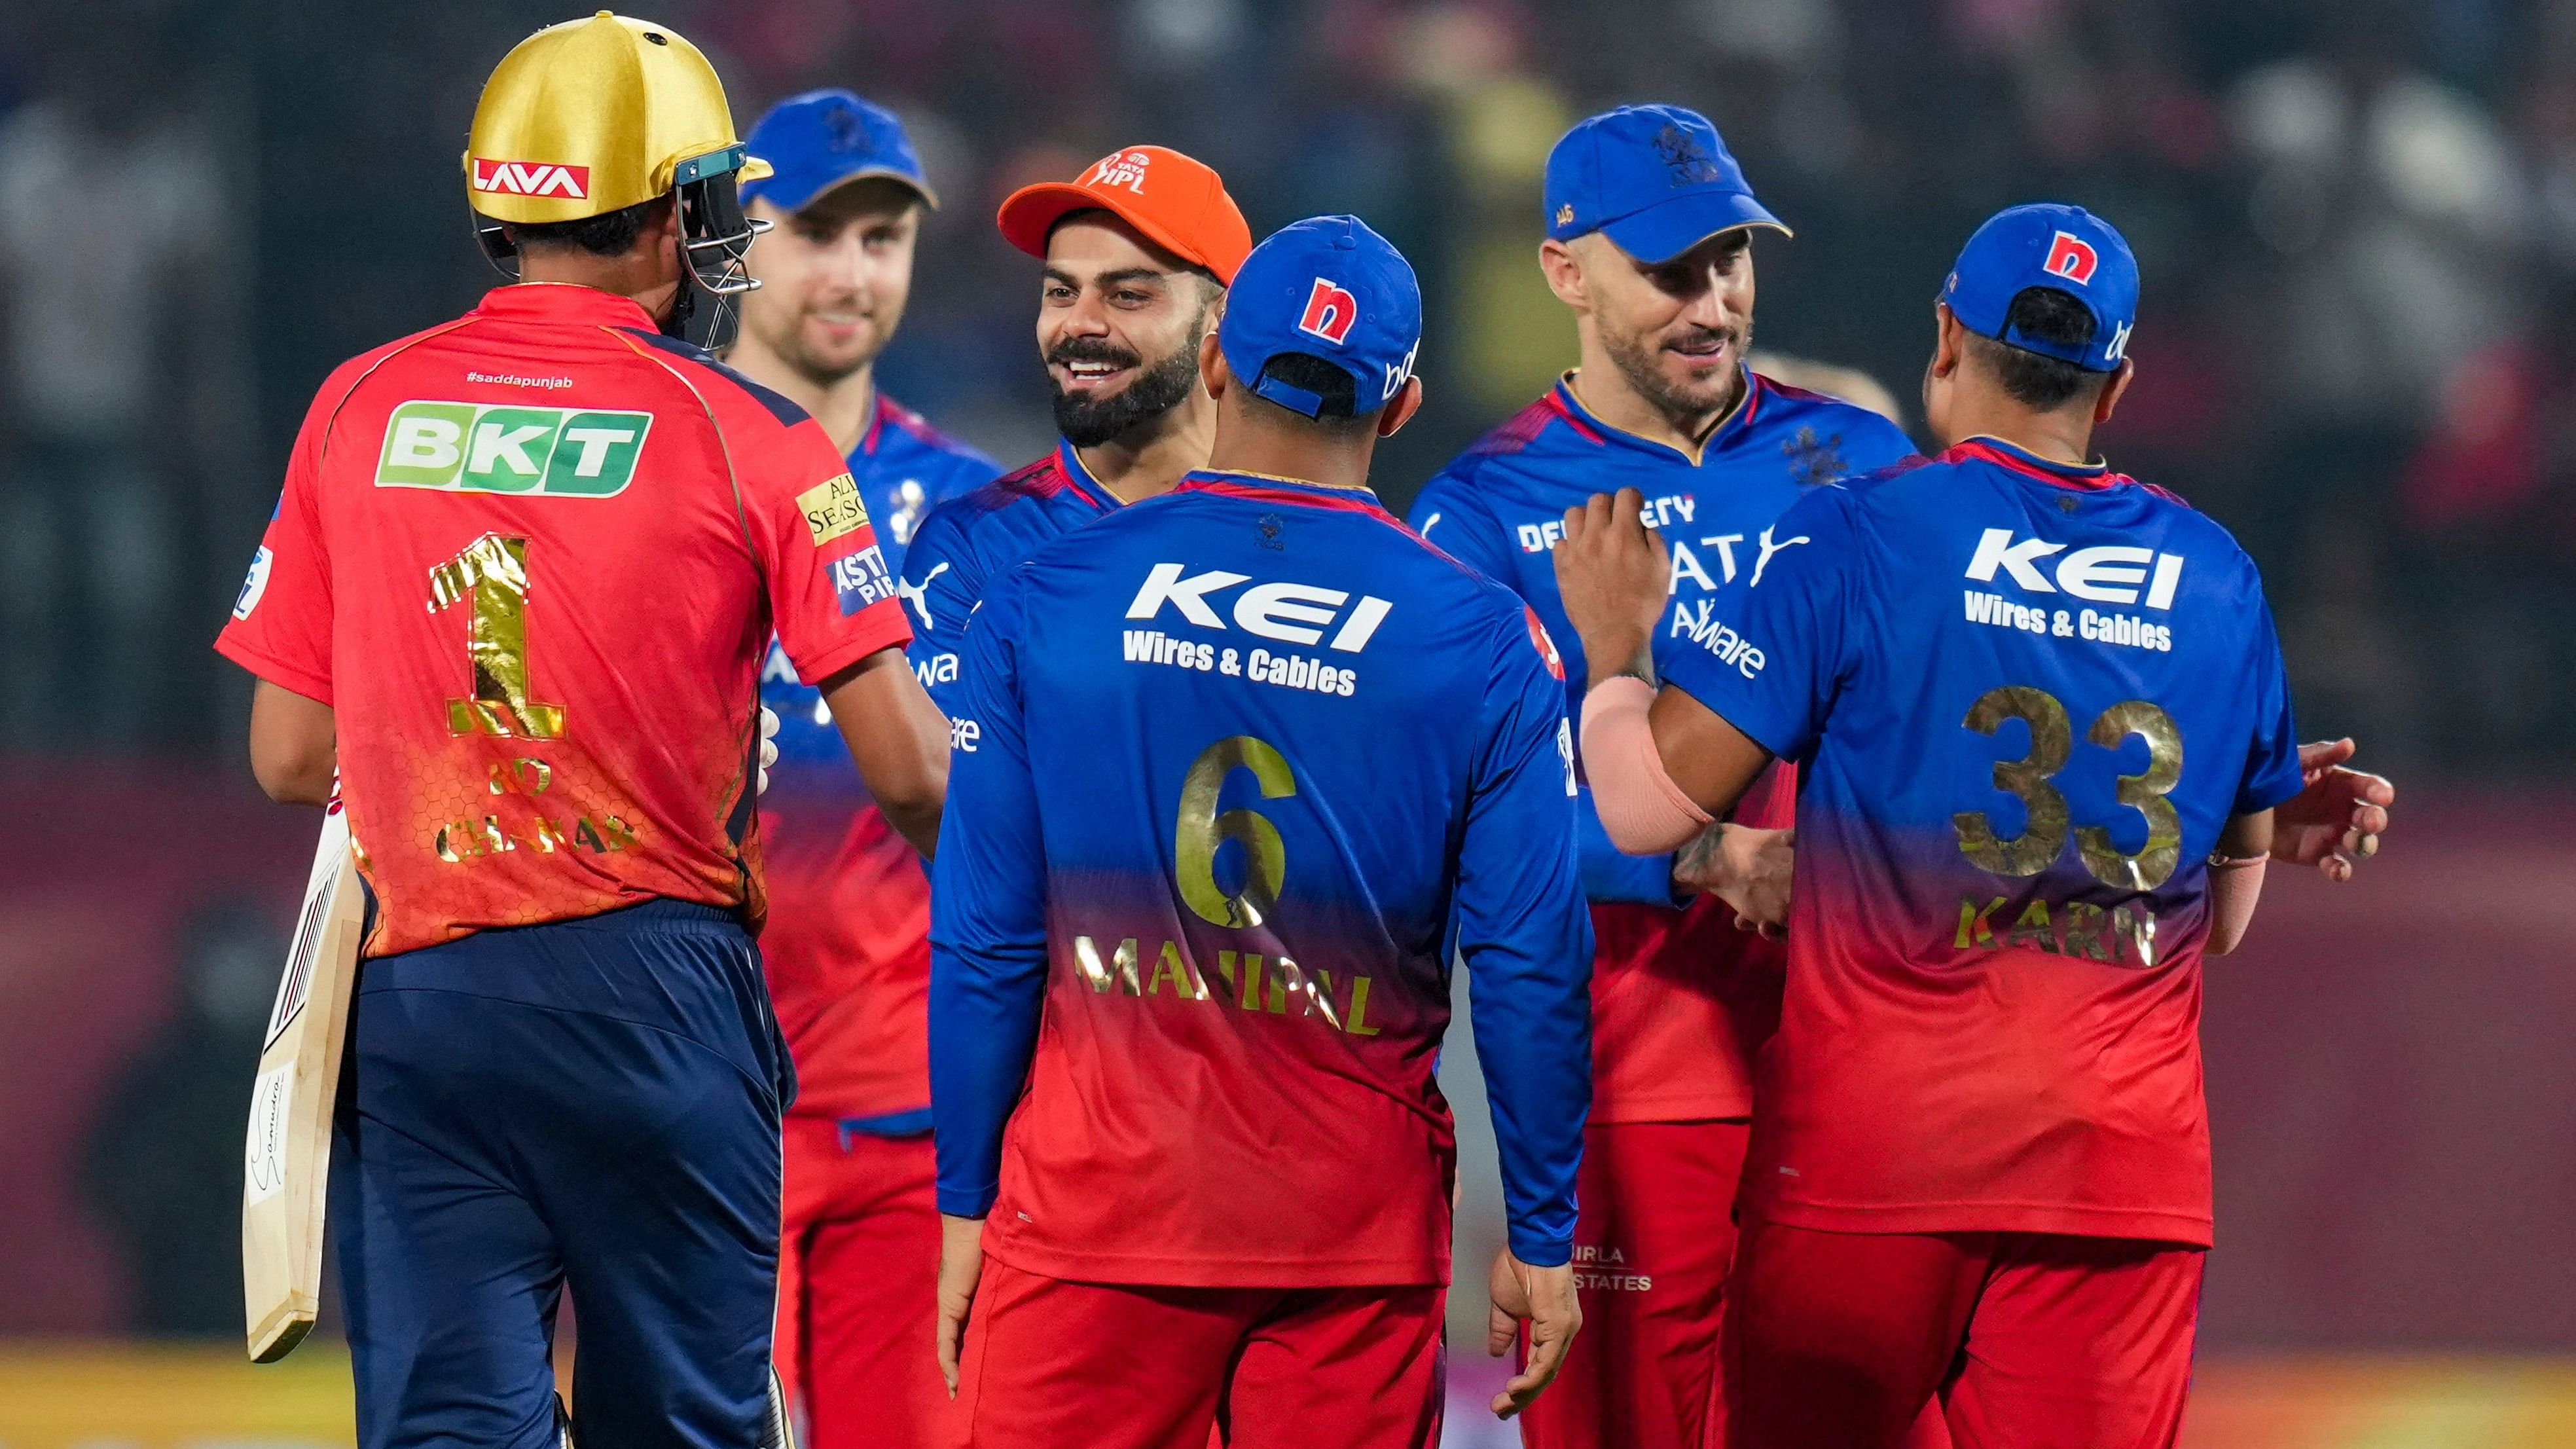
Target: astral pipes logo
(474, 448)
(528, 178)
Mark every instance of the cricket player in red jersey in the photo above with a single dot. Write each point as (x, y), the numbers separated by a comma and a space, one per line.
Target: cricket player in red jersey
(2045, 743)
(1650, 227)
(848, 948)
(517, 592)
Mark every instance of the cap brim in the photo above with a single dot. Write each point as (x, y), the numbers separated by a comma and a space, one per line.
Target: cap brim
(778, 198)
(1673, 226)
(1030, 213)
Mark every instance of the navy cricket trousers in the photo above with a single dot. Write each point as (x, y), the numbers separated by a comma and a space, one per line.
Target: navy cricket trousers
(590, 1106)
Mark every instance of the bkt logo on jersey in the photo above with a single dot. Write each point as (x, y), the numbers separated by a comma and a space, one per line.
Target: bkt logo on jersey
(1330, 311)
(2108, 573)
(476, 448)
(2072, 257)
(529, 178)
(1289, 613)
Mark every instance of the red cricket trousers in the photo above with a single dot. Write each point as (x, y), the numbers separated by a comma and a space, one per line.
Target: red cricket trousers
(2030, 1340)
(858, 1283)
(1049, 1364)
(1652, 1245)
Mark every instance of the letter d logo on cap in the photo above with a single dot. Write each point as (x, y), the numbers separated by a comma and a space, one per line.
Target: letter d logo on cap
(2071, 257)
(1330, 311)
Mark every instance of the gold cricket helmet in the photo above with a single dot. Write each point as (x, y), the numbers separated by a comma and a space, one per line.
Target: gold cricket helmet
(591, 116)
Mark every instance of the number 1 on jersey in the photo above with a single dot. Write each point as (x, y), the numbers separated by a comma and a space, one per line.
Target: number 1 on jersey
(491, 574)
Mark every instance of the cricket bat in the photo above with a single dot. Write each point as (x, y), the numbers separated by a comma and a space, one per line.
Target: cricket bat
(288, 1160)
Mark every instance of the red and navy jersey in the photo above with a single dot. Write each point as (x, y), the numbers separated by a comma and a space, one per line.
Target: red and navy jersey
(532, 559)
(2024, 698)
(967, 543)
(1678, 991)
(847, 949)
(1235, 770)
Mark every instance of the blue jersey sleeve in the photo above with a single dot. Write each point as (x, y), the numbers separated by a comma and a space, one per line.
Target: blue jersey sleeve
(988, 960)
(1448, 513)
(941, 585)
(1872, 443)
(1526, 938)
(1778, 646)
(2272, 759)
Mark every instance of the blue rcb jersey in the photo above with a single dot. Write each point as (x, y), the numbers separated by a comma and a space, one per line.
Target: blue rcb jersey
(1677, 993)
(1501, 507)
(2024, 697)
(966, 544)
(1234, 770)
(904, 467)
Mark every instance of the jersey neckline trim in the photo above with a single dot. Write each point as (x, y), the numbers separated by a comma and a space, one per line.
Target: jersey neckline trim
(1736, 418)
(1070, 462)
(2090, 477)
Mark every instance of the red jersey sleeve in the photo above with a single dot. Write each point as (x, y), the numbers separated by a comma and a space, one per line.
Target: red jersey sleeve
(830, 592)
(281, 624)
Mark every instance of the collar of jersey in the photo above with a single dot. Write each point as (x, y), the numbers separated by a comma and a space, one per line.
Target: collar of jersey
(565, 302)
(1737, 418)
(1080, 477)
(1981, 448)
(1270, 485)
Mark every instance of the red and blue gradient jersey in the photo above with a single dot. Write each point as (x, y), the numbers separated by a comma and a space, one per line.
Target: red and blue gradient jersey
(2024, 698)
(847, 949)
(966, 544)
(1235, 768)
(1678, 993)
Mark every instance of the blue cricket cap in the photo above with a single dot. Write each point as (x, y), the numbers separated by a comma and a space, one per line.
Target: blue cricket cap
(2065, 248)
(822, 139)
(1331, 288)
(1656, 179)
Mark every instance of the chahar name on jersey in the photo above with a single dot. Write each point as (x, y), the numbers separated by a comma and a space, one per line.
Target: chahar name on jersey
(482, 448)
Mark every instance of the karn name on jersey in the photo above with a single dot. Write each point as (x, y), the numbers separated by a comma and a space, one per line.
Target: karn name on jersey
(479, 448)
(1289, 613)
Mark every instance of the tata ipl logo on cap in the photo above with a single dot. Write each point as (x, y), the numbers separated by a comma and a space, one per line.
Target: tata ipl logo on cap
(1330, 311)
(477, 448)
(1121, 168)
(529, 178)
(2072, 257)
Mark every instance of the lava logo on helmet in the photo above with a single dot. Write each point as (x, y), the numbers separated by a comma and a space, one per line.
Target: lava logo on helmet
(479, 448)
(2072, 257)
(529, 178)
(1330, 311)
(1121, 168)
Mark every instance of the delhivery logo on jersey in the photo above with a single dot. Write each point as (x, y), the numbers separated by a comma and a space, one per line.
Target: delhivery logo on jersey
(859, 578)
(528, 178)
(1289, 613)
(478, 448)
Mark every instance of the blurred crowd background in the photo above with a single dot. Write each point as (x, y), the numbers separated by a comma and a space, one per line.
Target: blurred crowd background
(2357, 225)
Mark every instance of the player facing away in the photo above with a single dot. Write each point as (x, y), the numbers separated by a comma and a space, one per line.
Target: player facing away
(517, 591)
(1138, 250)
(847, 950)
(1649, 226)
(1214, 1189)
(2043, 728)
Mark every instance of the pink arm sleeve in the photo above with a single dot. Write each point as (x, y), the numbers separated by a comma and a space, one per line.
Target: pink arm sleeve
(2234, 886)
(1642, 810)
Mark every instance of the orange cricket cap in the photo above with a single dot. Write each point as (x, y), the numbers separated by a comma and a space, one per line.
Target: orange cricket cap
(1176, 202)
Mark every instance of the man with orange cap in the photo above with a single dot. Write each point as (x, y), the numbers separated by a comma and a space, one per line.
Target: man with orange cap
(1139, 250)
